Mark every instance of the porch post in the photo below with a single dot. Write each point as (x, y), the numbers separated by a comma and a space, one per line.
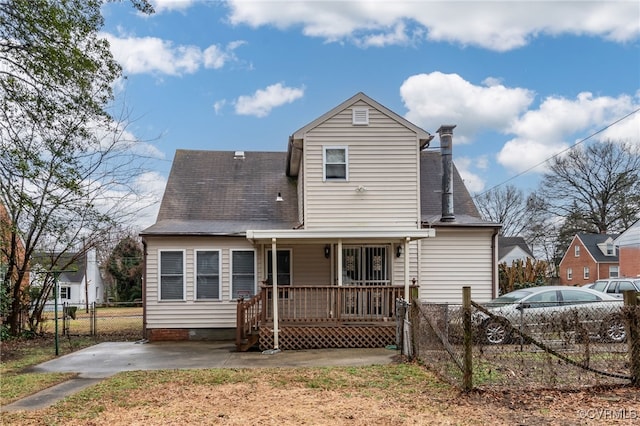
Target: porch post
(406, 270)
(274, 280)
(339, 271)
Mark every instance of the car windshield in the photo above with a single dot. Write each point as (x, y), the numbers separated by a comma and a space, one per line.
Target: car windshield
(599, 285)
(509, 298)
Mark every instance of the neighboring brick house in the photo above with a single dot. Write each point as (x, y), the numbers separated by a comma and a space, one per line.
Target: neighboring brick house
(590, 257)
(628, 246)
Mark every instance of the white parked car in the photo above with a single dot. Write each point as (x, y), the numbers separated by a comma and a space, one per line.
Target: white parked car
(617, 286)
(555, 310)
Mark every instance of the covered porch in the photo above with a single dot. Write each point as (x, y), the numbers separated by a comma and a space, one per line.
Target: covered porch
(366, 273)
(315, 317)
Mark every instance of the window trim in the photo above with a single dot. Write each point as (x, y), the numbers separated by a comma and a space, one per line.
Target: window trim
(576, 251)
(585, 272)
(324, 163)
(231, 273)
(195, 275)
(569, 274)
(184, 275)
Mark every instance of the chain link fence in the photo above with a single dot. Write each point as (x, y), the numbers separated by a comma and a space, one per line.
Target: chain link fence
(545, 344)
(117, 321)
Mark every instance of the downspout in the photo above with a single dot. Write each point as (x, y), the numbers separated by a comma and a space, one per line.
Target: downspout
(494, 265)
(144, 288)
(407, 295)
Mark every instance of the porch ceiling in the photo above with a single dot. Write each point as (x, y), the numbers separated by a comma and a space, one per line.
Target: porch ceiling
(259, 235)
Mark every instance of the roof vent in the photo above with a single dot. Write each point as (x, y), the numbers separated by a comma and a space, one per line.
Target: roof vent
(360, 116)
(238, 155)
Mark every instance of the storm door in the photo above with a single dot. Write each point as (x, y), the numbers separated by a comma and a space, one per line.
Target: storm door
(364, 266)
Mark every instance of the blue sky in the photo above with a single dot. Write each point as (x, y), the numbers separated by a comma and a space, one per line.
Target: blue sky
(521, 80)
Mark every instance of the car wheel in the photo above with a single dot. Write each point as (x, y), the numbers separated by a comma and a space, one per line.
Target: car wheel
(613, 330)
(496, 331)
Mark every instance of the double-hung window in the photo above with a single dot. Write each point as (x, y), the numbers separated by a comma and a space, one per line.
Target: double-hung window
(336, 163)
(65, 292)
(207, 274)
(243, 273)
(172, 277)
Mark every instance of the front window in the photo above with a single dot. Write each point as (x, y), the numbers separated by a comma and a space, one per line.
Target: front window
(614, 271)
(335, 163)
(576, 251)
(586, 273)
(172, 275)
(243, 274)
(569, 273)
(207, 275)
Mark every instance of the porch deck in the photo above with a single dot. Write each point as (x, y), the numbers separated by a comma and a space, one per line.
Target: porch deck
(314, 317)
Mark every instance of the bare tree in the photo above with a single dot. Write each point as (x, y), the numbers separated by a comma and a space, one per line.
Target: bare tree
(506, 205)
(597, 186)
(67, 173)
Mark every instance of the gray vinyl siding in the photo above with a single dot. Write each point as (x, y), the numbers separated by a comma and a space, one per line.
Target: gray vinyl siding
(454, 259)
(382, 157)
(191, 313)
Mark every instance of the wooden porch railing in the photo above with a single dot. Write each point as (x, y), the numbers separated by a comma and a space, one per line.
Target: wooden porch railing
(316, 304)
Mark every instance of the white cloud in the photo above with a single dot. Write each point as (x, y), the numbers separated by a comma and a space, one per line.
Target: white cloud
(262, 101)
(218, 105)
(139, 55)
(160, 6)
(535, 134)
(436, 98)
(500, 25)
(561, 122)
(472, 181)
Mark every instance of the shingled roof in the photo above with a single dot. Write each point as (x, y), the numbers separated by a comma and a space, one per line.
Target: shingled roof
(591, 242)
(221, 193)
(465, 210)
(217, 193)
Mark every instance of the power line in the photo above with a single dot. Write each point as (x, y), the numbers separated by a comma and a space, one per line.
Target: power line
(561, 152)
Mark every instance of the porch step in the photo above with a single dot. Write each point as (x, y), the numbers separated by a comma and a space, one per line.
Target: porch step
(248, 343)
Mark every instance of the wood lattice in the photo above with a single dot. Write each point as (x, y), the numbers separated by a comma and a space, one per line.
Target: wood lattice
(323, 337)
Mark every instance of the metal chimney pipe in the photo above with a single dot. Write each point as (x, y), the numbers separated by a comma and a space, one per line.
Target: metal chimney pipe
(446, 151)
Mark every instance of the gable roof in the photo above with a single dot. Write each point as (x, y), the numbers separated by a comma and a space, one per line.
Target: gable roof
(591, 241)
(295, 140)
(215, 193)
(72, 262)
(506, 244)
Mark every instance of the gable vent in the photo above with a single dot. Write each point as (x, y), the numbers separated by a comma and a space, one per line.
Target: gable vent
(360, 116)
(238, 155)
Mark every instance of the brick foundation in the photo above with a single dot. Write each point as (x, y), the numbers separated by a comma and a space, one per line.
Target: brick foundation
(167, 334)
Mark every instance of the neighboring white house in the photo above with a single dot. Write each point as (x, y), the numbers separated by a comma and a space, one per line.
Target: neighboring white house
(628, 246)
(78, 283)
(358, 201)
(512, 249)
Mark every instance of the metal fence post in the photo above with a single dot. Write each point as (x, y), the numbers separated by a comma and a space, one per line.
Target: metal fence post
(633, 323)
(468, 340)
